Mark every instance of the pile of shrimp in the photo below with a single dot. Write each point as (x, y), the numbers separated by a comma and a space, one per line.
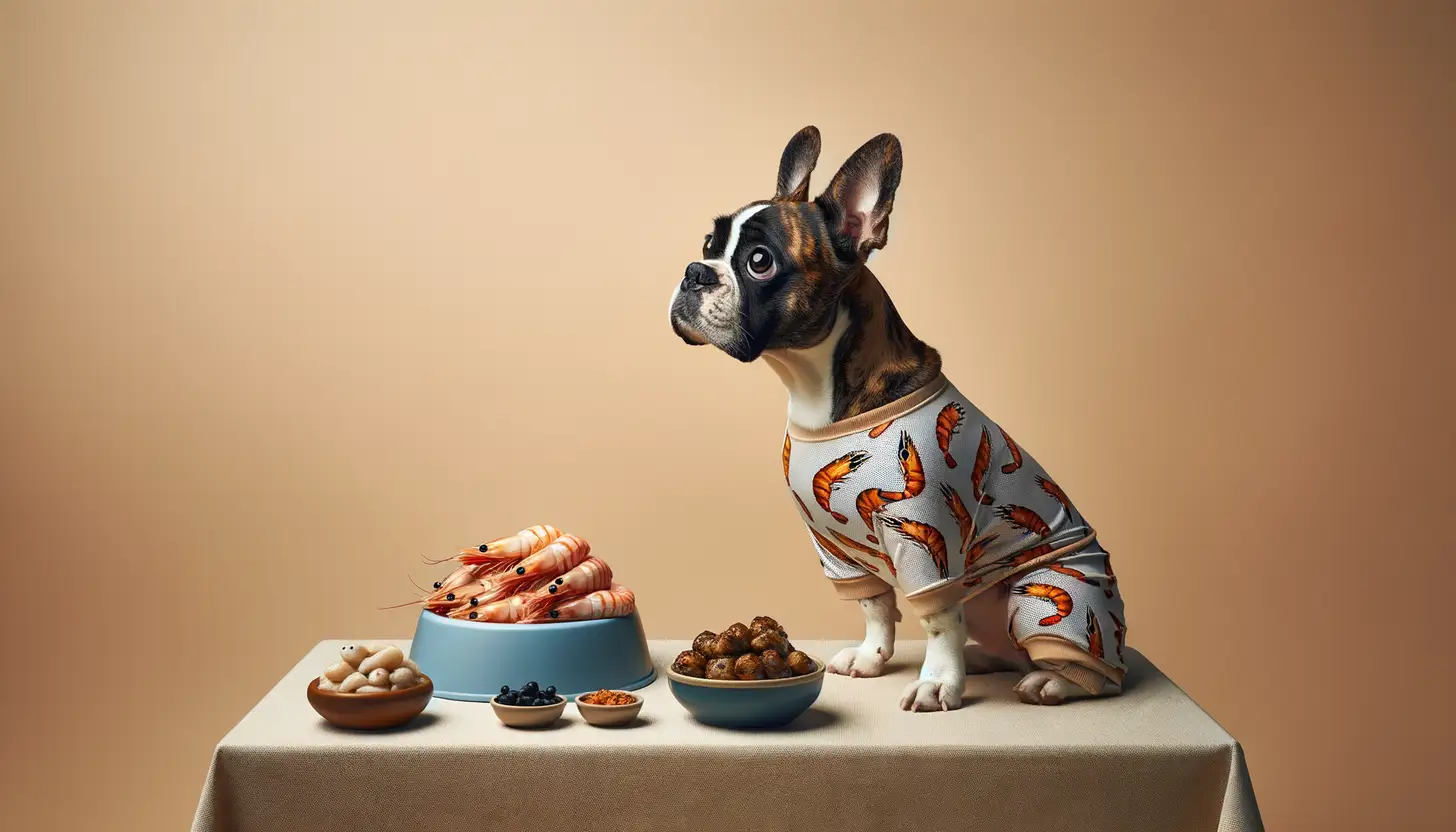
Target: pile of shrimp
(535, 576)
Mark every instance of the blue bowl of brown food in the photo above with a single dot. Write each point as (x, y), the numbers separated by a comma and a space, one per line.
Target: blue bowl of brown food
(755, 704)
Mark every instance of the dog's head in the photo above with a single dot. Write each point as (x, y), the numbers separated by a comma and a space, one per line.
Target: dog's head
(772, 272)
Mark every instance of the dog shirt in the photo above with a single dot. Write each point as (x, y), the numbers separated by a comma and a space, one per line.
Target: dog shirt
(929, 495)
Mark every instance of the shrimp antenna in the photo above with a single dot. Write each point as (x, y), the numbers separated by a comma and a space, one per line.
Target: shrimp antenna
(405, 604)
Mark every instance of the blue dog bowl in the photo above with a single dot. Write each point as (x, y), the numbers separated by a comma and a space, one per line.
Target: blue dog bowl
(470, 661)
(766, 703)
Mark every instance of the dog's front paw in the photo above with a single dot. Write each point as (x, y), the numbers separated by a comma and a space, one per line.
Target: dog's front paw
(864, 660)
(933, 695)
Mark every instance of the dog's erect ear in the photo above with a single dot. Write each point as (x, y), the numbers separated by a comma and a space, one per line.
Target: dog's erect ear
(796, 164)
(858, 200)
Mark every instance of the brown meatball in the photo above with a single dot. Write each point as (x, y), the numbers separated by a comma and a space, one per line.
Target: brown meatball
(721, 669)
(740, 635)
(769, 641)
(691, 663)
(725, 647)
(774, 666)
(763, 624)
(703, 643)
(748, 668)
(800, 663)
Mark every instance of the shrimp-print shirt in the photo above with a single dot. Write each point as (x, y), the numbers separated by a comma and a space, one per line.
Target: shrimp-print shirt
(928, 495)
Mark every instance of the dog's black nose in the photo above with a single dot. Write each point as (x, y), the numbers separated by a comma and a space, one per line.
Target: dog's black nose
(699, 276)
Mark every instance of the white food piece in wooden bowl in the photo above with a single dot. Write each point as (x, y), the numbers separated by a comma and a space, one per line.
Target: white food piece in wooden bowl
(354, 654)
(389, 658)
(353, 683)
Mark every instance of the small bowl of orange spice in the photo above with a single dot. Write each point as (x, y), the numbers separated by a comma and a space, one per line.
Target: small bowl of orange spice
(608, 708)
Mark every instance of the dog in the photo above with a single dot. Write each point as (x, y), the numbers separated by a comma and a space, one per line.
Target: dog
(902, 482)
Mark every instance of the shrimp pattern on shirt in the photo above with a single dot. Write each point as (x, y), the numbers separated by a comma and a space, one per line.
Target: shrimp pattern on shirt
(934, 498)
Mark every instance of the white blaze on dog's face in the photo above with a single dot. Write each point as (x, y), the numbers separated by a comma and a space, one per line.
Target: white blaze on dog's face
(772, 272)
(707, 306)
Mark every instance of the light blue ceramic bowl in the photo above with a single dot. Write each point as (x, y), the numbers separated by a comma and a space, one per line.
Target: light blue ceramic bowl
(767, 703)
(470, 661)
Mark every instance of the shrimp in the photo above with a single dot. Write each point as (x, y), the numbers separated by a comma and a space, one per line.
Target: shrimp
(519, 545)
(829, 477)
(561, 556)
(978, 548)
(1094, 635)
(446, 589)
(616, 602)
(788, 447)
(963, 518)
(866, 504)
(860, 547)
(872, 500)
(925, 535)
(879, 429)
(1047, 592)
(1055, 491)
(1119, 631)
(836, 551)
(946, 425)
(510, 610)
(982, 466)
(1031, 554)
(1015, 462)
(1070, 572)
(589, 576)
(1024, 518)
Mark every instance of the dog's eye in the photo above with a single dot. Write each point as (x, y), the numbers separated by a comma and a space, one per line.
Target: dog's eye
(761, 263)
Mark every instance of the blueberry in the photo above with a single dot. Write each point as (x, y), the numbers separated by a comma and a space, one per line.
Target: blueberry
(508, 699)
(551, 691)
(542, 703)
(505, 689)
(531, 687)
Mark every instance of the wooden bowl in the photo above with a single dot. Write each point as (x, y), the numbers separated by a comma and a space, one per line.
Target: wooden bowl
(528, 716)
(609, 716)
(371, 711)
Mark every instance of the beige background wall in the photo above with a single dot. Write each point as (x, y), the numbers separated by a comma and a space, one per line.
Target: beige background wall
(295, 294)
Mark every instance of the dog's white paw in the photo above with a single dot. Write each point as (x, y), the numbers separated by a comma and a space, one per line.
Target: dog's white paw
(933, 695)
(864, 660)
(1047, 687)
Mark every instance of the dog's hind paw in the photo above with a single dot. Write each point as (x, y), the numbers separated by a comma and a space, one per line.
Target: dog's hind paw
(858, 661)
(1047, 687)
(932, 695)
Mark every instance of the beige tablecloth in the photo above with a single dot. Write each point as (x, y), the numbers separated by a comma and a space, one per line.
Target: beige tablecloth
(1147, 760)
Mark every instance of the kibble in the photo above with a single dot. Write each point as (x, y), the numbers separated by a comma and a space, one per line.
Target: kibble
(760, 650)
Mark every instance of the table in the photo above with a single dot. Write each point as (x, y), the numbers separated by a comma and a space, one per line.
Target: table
(1149, 759)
